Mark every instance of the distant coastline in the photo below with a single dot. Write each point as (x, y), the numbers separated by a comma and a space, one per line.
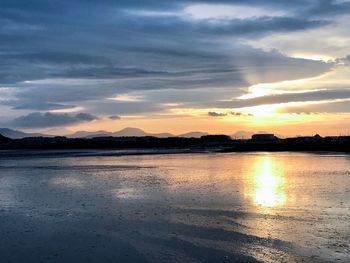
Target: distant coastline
(212, 143)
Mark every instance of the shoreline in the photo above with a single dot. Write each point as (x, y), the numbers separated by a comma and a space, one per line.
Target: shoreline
(209, 143)
(56, 153)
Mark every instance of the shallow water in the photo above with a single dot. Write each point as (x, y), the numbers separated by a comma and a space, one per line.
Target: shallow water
(271, 207)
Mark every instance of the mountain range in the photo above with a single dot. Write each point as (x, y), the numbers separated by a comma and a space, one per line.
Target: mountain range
(133, 132)
(15, 134)
(126, 132)
(122, 133)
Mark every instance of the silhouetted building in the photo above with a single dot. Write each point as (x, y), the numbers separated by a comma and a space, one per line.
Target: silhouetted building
(344, 139)
(215, 138)
(307, 139)
(337, 139)
(264, 137)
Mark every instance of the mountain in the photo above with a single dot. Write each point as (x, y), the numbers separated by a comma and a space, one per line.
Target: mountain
(126, 132)
(248, 134)
(14, 134)
(162, 135)
(4, 139)
(242, 135)
(83, 134)
(193, 134)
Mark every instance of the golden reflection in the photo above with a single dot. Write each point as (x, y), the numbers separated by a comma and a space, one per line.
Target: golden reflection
(267, 183)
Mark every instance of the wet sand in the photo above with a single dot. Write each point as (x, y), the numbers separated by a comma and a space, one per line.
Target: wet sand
(253, 207)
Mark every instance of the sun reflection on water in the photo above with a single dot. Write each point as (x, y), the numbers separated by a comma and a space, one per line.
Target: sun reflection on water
(267, 183)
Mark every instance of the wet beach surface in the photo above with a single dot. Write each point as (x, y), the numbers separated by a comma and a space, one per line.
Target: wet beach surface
(251, 207)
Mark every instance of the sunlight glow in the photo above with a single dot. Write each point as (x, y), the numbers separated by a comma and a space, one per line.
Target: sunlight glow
(126, 98)
(270, 109)
(268, 183)
(312, 56)
(68, 110)
(220, 11)
(283, 87)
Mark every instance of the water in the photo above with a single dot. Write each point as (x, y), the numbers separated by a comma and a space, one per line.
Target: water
(271, 207)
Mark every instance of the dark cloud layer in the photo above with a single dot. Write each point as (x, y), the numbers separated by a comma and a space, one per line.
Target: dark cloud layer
(60, 54)
(114, 117)
(43, 120)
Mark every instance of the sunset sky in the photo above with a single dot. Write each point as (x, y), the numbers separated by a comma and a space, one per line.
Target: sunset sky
(175, 66)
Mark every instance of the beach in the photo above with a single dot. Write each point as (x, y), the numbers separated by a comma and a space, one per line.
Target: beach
(96, 206)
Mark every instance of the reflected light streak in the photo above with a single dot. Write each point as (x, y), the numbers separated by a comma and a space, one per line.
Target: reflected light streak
(127, 193)
(267, 183)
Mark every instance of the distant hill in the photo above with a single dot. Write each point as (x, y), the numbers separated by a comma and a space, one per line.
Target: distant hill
(193, 134)
(82, 134)
(130, 132)
(126, 132)
(245, 134)
(4, 139)
(15, 134)
(161, 135)
(136, 132)
(242, 135)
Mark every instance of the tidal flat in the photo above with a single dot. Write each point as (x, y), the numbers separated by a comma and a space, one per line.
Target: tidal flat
(93, 206)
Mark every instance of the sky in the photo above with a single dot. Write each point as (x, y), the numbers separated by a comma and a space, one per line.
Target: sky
(175, 66)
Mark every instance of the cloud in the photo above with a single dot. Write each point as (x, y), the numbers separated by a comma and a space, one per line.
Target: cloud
(47, 119)
(110, 107)
(34, 105)
(209, 78)
(232, 113)
(332, 107)
(216, 114)
(114, 117)
(344, 60)
(315, 96)
(328, 7)
(119, 44)
(80, 53)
